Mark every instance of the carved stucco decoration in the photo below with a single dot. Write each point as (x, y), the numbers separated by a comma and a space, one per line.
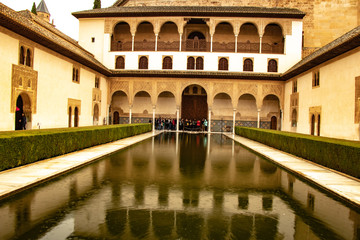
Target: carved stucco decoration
(223, 88)
(247, 89)
(271, 89)
(24, 82)
(96, 99)
(142, 86)
(166, 87)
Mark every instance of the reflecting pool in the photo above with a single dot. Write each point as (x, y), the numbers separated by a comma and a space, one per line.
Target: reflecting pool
(178, 186)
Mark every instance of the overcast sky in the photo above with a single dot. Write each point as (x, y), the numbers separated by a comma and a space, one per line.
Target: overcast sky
(60, 11)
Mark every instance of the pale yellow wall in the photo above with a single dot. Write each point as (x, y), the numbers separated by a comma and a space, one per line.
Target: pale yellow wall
(8, 56)
(92, 28)
(336, 96)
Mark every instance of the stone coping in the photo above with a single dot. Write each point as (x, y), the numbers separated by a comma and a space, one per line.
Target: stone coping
(342, 185)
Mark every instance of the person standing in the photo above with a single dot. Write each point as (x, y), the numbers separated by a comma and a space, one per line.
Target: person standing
(23, 121)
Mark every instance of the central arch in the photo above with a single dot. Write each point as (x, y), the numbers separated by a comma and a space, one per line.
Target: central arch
(194, 103)
(23, 112)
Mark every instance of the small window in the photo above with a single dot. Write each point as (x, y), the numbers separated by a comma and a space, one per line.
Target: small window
(311, 202)
(120, 62)
(199, 63)
(248, 65)
(28, 58)
(167, 63)
(294, 118)
(316, 79)
(295, 86)
(76, 75)
(223, 64)
(93, 39)
(272, 66)
(143, 62)
(97, 82)
(195, 90)
(190, 63)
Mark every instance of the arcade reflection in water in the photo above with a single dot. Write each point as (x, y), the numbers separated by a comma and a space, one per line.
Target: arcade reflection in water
(178, 186)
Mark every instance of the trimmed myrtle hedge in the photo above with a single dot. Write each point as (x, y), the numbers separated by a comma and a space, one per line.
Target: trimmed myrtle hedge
(337, 154)
(23, 147)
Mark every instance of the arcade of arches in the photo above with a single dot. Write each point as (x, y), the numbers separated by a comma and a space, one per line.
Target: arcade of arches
(223, 104)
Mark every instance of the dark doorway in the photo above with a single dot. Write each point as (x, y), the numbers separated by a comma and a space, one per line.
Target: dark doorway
(273, 123)
(18, 113)
(312, 125)
(116, 118)
(76, 117)
(194, 103)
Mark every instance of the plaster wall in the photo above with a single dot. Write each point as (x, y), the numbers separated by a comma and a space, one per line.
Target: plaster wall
(9, 55)
(335, 96)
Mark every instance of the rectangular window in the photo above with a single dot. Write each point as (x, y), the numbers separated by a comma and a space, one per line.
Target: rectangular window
(97, 82)
(295, 86)
(76, 75)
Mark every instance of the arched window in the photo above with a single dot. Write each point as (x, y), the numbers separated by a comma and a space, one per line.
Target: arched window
(167, 63)
(28, 58)
(143, 63)
(223, 64)
(70, 112)
(199, 63)
(191, 63)
(248, 65)
(272, 66)
(120, 62)
(22, 56)
(318, 126)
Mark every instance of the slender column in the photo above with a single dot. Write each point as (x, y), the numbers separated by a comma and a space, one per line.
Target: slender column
(260, 44)
(156, 42)
(130, 113)
(281, 119)
(153, 118)
(234, 115)
(209, 122)
(211, 43)
(177, 118)
(236, 40)
(133, 42)
(180, 42)
(258, 119)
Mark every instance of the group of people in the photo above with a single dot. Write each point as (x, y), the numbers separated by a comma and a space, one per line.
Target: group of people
(184, 124)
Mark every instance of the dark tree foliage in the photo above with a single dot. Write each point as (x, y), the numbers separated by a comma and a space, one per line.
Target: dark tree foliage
(97, 4)
(33, 9)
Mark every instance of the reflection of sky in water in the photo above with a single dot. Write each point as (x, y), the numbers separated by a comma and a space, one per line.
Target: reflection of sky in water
(177, 186)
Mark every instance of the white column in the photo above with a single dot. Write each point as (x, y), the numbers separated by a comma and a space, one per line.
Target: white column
(177, 119)
(236, 38)
(153, 121)
(211, 43)
(180, 42)
(130, 113)
(156, 42)
(209, 122)
(281, 119)
(260, 44)
(133, 42)
(258, 119)
(234, 115)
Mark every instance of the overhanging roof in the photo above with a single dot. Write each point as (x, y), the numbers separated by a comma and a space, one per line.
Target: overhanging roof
(191, 11)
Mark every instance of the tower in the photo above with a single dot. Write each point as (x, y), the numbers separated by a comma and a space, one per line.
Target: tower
(43, 11)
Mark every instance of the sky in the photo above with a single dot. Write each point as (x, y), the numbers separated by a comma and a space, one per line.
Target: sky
(60, 11)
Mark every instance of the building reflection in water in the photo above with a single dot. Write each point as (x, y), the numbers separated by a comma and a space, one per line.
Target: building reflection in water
(178, 186)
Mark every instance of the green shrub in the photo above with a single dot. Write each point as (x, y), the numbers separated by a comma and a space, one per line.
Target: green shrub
(337, 154)
(18, 148)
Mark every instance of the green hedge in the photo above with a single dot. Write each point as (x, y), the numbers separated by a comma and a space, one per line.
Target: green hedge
(18, 148)
(337, 154)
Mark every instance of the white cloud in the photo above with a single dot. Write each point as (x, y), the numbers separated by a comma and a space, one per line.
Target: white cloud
(60, 11)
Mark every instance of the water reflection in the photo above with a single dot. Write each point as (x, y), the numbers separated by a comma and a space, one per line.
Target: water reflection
(194, 186)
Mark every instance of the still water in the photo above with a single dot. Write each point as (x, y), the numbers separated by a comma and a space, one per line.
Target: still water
(178, 186)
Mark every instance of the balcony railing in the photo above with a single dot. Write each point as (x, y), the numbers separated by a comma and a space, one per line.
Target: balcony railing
(169, 46)
(191, 45)
(248, 47)
(144, 46)
(272, 48)
(223, 47)
(120, 46)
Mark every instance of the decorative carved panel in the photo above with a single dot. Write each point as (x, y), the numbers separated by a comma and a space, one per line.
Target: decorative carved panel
(24, 81)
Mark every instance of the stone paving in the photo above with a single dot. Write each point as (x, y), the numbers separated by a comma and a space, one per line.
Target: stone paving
(18, 179)
(346, 187)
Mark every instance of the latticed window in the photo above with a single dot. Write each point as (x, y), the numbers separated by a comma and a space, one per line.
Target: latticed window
(120, 62)
(272, 66)
(28, 58)
(248, 65)
(199, 63)
(191, 63)
(316, 79)
(143, 63)
(167, 63)
(22, 56)
(76, 75)
(223, 64)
